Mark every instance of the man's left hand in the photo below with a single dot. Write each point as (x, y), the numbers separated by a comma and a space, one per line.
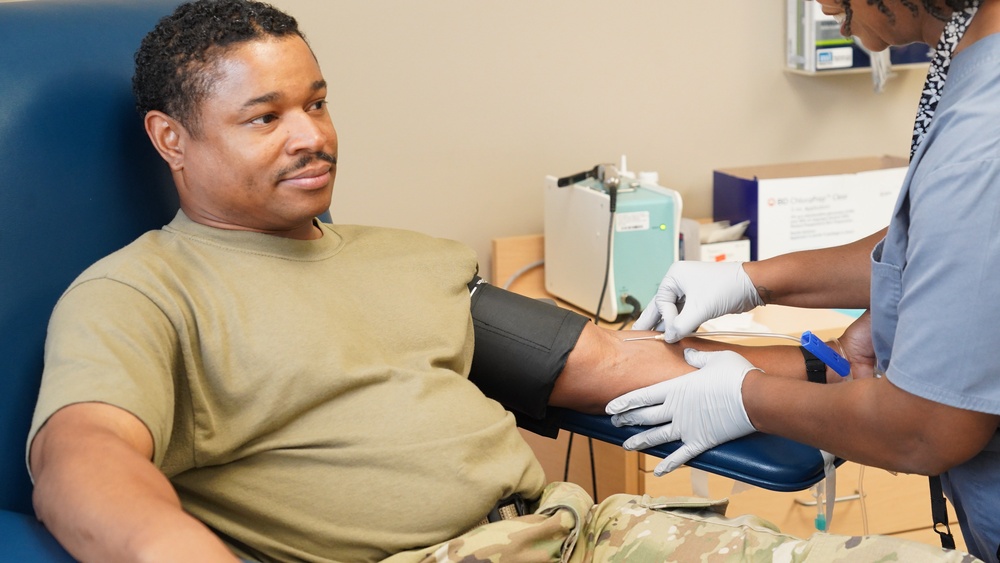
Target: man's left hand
(703, 408)
(858, 347)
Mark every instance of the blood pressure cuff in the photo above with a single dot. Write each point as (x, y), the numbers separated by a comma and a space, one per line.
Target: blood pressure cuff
(521, 348)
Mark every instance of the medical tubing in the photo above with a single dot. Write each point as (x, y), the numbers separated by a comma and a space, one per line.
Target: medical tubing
(613, 197)
(840, 347)
(744, 334)
(861, 498)
(525, 269)
(809, 341)
(819, 491)
(636, 310)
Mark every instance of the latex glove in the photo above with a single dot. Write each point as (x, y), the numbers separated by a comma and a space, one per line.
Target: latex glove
(694, 292)
(703, 408)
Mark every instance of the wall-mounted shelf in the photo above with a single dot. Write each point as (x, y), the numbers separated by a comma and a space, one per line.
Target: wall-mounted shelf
(858, 70)
(814, 45)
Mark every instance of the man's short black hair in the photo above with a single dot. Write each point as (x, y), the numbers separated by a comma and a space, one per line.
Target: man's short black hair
(174, 66)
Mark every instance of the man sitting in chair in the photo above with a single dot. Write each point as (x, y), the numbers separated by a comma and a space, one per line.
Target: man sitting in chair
(250, 381)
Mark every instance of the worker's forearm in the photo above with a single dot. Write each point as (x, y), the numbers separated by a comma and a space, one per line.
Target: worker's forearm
(869, 421)
(104, 502)
(830, 277)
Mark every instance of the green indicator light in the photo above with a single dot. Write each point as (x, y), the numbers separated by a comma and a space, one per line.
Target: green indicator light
(663, 227)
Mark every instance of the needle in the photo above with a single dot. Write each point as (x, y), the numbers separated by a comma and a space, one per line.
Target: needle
(655, 337)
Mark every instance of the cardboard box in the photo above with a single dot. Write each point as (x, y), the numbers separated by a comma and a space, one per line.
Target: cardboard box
(726, 251)
(814, 43)
(807, 205)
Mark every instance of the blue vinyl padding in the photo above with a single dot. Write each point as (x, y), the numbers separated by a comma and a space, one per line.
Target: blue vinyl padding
(78, 180)
(24, 539)
(763, 460)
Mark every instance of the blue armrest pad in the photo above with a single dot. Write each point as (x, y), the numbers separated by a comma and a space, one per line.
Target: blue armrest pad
(763, 460)
(23, 538)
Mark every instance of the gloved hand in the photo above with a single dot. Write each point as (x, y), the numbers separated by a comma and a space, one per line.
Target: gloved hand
(694, 292)
(703, 408)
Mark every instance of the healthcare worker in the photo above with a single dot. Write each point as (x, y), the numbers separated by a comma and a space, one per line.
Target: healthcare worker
(931, 282)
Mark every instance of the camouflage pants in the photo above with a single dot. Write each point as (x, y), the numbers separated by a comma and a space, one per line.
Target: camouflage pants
(567, 527)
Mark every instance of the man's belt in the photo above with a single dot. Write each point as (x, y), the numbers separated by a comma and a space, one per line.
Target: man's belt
(506, 508)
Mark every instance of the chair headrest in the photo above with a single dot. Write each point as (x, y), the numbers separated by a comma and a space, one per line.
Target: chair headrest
(78, 179)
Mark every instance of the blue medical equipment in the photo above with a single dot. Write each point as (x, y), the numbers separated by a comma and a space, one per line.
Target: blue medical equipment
(582, 266)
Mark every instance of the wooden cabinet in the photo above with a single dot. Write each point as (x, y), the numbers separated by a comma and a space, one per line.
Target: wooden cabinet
(891, 504)
(874, 501)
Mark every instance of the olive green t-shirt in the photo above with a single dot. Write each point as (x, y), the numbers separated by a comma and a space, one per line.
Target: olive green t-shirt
(308, 400)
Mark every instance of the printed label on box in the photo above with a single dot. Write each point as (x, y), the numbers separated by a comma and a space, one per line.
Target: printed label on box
(834, 57)
(822, 211)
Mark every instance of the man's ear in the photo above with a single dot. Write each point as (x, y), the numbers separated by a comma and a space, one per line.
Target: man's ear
(167, 136)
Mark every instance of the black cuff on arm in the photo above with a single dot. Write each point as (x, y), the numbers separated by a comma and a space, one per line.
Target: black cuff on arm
(521, 348)
(815, 368)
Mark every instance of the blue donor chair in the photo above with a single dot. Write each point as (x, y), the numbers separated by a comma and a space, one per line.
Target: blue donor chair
(79, 179)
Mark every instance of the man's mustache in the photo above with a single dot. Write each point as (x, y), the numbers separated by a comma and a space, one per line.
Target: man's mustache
(305, 160)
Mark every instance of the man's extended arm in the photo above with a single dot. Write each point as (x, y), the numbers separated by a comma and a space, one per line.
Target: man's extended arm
(602, 367)
(99, 494)
(530, 355)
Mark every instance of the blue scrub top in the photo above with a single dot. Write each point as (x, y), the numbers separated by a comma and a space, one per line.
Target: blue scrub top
(936, 277)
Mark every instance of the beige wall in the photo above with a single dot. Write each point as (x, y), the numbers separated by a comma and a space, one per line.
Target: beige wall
(451, 112)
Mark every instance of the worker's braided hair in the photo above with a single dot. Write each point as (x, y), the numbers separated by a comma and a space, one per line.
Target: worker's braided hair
(932, 7)
(175, 64)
